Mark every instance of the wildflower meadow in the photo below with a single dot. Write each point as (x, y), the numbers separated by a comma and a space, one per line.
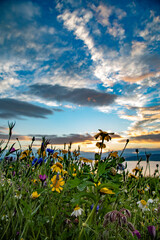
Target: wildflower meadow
(55, 194)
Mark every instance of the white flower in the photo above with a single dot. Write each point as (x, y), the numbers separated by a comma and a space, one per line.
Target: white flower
(4, 217)
(18, 195)
(150, 201)
(147, 188)
(143, 205)
(77, 211)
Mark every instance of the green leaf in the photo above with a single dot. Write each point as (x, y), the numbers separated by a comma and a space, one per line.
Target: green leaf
(109, 185)
(78, 196)
(74, 183)
(83, 185)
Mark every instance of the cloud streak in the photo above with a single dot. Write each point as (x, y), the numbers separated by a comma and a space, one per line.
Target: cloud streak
(79, 96)
(11, 108)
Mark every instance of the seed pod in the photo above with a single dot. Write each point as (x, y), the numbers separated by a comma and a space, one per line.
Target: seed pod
(131, 227)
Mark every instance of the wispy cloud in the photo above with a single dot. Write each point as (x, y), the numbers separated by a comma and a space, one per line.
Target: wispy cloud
(153, 137)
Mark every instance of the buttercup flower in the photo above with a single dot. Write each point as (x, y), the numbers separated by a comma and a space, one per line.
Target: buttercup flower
(77, 211)
(106, 191)
(57, 167)
(35, 195)
(57, 183)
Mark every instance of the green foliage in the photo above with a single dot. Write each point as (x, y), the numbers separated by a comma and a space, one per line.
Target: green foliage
(97, 189)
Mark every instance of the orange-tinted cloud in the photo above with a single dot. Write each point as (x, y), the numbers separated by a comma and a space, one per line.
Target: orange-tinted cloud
(140, 78)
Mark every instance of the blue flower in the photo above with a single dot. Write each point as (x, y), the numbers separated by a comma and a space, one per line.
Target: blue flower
(121, 167)
(34, 161)
(50, 150)
(96, 208)
(40, 160)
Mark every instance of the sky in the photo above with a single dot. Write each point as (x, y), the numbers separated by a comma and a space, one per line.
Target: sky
(69, 68)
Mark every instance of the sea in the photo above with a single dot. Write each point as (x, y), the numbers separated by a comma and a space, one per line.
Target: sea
(132, 164)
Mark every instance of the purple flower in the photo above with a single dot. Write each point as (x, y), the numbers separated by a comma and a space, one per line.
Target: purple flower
(152, 231)
(42, 178)
(12, 150)
(13, 173)
(135, 232)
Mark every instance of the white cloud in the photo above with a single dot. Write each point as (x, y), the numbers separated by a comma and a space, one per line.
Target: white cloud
(138, 48)
(151, 32)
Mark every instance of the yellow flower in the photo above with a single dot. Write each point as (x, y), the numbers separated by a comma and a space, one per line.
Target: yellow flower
(25, 154)
(55, 155)
(100, 145)
(114, 154)
(103, 135)
(64, 151)
(141, 191)
(57, 183)
(35, 181)
(97, 184)
(35, 195)
(64, 172)
(106, 191)
(32, 158)
(136, 169)
(132, 176)
(76, 154)
(74, 174)
(57, 167)
(60, 158)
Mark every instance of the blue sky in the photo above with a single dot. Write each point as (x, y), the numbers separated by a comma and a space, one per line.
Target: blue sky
(69, 68)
